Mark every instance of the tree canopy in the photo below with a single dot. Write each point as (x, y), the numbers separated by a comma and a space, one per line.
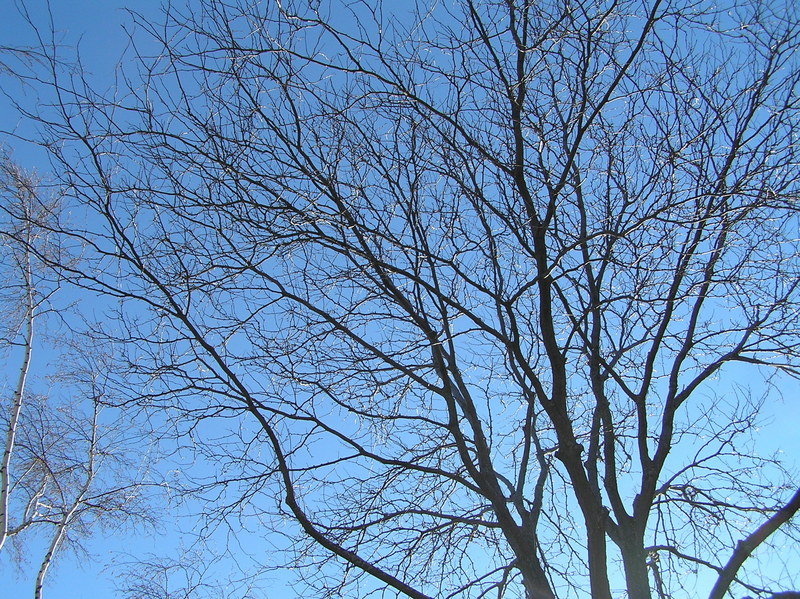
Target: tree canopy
(466, 299)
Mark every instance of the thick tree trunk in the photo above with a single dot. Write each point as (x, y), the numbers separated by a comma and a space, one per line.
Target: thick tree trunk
(634, 560)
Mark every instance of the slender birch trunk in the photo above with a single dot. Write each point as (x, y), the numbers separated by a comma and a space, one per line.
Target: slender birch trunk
(69, 514)
(16, 404)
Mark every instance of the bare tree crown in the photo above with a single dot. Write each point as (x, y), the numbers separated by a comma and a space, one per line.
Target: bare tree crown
(477, 284)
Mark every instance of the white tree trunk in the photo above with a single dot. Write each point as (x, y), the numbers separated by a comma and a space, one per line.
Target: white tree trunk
(69, 514)
(16, 406)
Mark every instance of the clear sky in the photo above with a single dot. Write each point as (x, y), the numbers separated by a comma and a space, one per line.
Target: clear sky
(97, 29)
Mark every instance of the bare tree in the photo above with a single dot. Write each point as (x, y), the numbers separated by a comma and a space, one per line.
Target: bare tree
(24, 298)
(67, 468)
(471, 295)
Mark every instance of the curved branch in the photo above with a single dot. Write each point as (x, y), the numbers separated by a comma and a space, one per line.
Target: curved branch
(745, 547)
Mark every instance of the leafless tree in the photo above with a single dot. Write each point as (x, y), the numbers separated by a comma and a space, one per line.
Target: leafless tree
(24, 298)
(67, 468)
(467, 299)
